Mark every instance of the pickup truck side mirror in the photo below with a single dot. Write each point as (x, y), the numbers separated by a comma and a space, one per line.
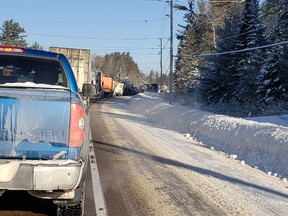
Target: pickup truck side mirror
(89, 90)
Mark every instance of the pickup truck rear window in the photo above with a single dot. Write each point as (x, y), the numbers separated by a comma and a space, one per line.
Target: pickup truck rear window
(22, 69)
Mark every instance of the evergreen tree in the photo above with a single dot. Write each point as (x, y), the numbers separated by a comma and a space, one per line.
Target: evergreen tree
(220, 10)
(36, 46)
(12, 34)
(270, 14)
(273, 78)
(247, 64)
(217, 84)
(195, 38)
(185, 37)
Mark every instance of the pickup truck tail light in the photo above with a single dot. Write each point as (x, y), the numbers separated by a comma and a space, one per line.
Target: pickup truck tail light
(76, 133)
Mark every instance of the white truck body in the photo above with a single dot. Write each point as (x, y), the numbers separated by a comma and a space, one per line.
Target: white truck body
(80, 62)
(119, 88)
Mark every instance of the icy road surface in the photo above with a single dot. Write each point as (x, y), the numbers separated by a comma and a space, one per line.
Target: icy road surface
(146, 169)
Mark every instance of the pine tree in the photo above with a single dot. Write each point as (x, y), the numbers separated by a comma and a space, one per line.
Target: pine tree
(12, 34)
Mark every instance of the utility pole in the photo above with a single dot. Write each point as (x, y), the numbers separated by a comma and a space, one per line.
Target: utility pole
(161, 63)
(171, 52)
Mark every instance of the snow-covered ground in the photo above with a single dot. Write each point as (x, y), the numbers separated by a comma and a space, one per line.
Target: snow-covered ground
(261, 142)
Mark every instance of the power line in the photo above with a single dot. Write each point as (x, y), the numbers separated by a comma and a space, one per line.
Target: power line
(96, 22)
(148, 63)
(244, 33)
(219, 16)
(227, 1)
(163, 22)
(243, 50)
(166, 43)
(250, 31)
(126, 48)
(91, 38)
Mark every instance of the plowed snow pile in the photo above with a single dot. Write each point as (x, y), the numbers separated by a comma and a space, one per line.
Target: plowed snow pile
(256, 141)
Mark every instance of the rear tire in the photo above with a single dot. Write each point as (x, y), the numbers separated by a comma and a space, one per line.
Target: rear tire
(76, 209)
(71, 210)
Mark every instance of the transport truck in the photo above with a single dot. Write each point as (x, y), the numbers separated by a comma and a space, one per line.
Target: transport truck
(119, 88)
(80, 62)
(44, 130)
(107, 86)
(98, 91)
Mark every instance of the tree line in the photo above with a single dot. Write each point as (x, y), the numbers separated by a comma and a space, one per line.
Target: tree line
(232, 56)
(121, 66)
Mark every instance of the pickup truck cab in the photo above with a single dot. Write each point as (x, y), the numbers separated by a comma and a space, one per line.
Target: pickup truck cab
(44, 131)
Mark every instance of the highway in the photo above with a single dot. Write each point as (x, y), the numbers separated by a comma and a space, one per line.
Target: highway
(139, 168)
(138, 176)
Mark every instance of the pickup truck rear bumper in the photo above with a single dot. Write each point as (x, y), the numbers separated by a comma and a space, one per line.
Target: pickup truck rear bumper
(43, 176)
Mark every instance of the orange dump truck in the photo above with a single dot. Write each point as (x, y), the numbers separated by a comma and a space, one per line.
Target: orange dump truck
(107, 86)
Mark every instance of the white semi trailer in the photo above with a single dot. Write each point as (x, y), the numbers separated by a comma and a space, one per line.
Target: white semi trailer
(80, 61)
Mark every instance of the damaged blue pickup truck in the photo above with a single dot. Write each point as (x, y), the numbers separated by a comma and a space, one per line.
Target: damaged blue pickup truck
(44, 131)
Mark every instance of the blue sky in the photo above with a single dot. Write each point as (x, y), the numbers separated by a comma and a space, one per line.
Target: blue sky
(103, 26)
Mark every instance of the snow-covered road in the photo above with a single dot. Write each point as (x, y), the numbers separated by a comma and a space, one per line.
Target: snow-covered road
(172, 174)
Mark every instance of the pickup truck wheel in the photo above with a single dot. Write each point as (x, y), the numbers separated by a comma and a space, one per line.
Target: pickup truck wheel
(72, 209)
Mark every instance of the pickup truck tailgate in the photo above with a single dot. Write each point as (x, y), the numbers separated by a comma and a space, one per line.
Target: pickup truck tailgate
(34, 123)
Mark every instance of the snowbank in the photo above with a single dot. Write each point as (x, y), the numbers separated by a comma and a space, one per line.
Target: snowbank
(262, 145)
